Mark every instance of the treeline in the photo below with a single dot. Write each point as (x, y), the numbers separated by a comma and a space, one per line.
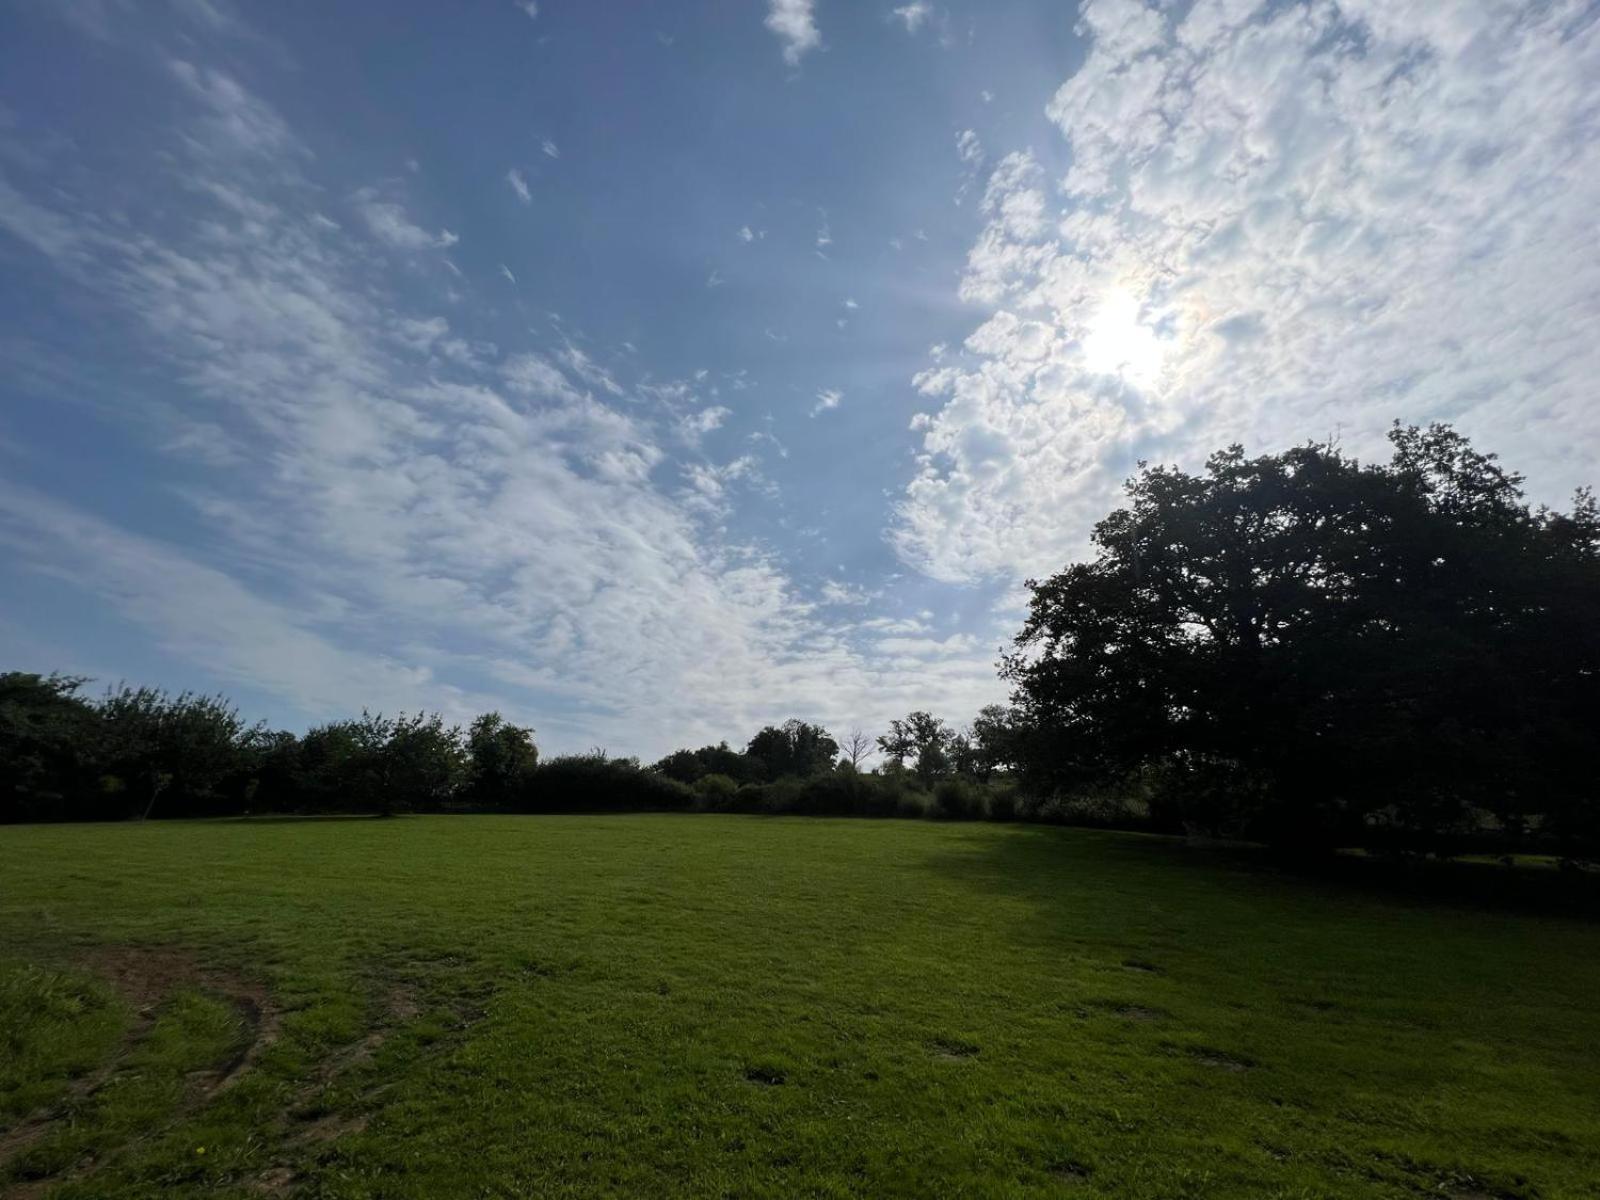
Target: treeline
(1298, 648)
(142, 752)
(138, 752)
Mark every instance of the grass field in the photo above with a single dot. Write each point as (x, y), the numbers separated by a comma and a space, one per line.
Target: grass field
(659, 1005)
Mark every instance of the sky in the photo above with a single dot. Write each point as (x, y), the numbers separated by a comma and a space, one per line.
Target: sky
(651, 372)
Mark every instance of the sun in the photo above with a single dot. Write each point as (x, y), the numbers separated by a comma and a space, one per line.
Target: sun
(1118, 343)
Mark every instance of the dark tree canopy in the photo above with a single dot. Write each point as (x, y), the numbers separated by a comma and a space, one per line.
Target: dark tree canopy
(925, 740)
(690, 766)
(1307, 648)
(794, 748)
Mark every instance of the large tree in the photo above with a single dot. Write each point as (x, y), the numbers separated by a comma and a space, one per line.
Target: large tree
(1305, 647)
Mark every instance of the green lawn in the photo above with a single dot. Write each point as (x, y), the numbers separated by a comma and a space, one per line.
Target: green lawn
(706, 1006)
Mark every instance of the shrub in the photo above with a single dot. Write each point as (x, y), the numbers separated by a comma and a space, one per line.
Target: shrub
(716, 792)
(595, 782)
(1002, 800)
(957, 800)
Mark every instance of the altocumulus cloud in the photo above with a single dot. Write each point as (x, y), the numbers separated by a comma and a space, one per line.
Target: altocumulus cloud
(1280, 221)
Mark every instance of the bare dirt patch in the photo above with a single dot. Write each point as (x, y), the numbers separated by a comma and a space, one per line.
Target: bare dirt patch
(1070, 1174)
(952, 1049)
(1138, 1012)
(145, 977)
(1221, 1060)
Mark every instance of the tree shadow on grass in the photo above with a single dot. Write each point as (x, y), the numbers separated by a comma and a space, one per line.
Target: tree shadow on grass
(1040, 862)
(305, 818)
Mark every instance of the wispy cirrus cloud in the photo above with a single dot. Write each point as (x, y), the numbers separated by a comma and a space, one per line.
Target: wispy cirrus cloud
(519, 185)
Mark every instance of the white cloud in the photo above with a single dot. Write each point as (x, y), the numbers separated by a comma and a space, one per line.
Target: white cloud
(519, 185)
(914, 15)
(551, 150)
(236, 121)
(714, 279)
(835, 592)
(827, 398)
(586, 369)
(1279, 222)
(824, 236)
(505, 271)
(388, 222)
(696, 425)
(531, 7)
(850, 303)
(969, 148)
(794, 21)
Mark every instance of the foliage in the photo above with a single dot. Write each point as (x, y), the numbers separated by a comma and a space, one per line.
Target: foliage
(688, 766)
(925, 740)
(1313, 651)
(501, 759)
(180, 750)
(794, 748)
(716, 792)
(596, 782)
(46, 732)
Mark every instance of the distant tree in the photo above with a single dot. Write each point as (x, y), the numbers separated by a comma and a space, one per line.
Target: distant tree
(334, 767)
(690, 766)
(184, 746)
(992, 741)
(794, 748)
(424, 761)
(48, 742)
(856, 746)
(273, 769)
(501, 758)
(923, 739)
(1312, 650)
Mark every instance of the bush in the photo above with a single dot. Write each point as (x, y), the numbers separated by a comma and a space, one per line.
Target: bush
(1090, 807)
(595, 782)
(1002, 800)
(957, 800)
(716, 792)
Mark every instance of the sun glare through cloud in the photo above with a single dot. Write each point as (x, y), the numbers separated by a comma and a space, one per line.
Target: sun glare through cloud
(1119, 342)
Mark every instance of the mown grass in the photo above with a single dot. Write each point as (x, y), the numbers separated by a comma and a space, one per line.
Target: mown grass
(701, 1005)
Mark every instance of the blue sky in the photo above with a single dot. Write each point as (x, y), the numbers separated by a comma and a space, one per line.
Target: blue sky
(654, 371)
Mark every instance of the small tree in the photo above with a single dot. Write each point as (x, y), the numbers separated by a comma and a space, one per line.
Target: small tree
(188, 744)
(925, 740)
(502, 758)
(48, 736)
(857, 745)
(425, 763)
